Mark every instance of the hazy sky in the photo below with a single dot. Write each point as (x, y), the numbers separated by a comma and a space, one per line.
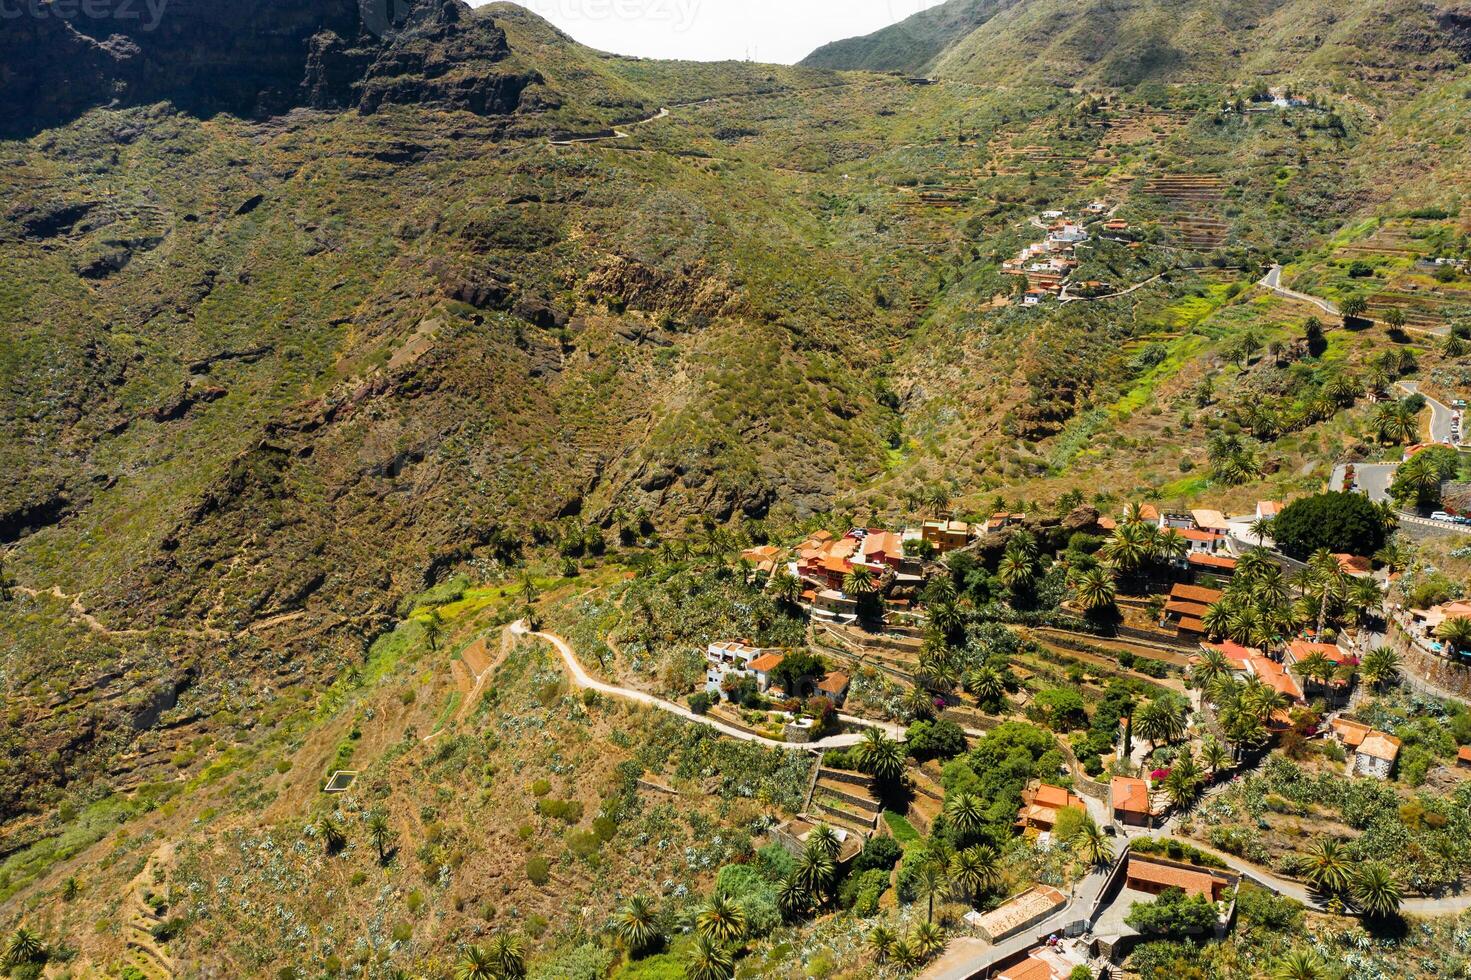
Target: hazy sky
(781, 31)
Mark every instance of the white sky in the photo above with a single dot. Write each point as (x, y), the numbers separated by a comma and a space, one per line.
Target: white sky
(777, 31)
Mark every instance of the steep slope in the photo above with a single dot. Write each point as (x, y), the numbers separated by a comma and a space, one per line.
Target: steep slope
(911, 45)
(1127, 42)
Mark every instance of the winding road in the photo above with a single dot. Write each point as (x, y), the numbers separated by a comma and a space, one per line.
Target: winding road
(586, 681)
(1441, 414)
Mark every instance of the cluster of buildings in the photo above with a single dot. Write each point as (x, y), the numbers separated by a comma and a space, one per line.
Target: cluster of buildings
(1047, 264)
(729, 662)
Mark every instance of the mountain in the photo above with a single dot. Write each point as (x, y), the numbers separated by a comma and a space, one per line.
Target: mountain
(912, 45)
(1126, 42)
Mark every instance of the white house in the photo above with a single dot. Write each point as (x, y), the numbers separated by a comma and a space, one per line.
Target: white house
(726, 659)
(1376, 754)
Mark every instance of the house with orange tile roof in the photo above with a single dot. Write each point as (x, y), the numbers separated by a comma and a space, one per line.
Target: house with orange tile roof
(762, 666)
(1376, 755)
(1268, 509)
(764, 559)
(1354, 566)
(1205, 561)
(884, 548)
(1275, 676)
(834, 687)
(1042, 803)
(1463, 757)
(1129, 799)
(1186, 606)
(1350, 734)
(1153, 875)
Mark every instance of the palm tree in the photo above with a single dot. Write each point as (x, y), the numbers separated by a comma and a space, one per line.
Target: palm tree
(1380, 667)
(1455, 633)
(931, 879)
(1354, 307)
(974, 870)
(1128, 548)
(785, 586)
(1301, 964)
(1395, 423)
(721, 921)
(1161, 720)
(987, 684)
(1215, 756)
(928, 940)
(1093, 844)
(966, 813)
(510, 956)
(880, 756)
(1182, 785)
(1015, 570)
(637, 925)
(881, 940)
(918, 703)
(709, 961)
(904, 954)
(1316, 668)
(1172, 546)
(793, 896)
(1327, 867)
(1210, 665)
(816, 872)
(1217, 619)
(1326, 582)
(859, 582)
(381, 834)
(433, 625)
(1376, 893)
(826, 840)
(1095, 590)
(24, 946)
(331, 833)
(477, 963)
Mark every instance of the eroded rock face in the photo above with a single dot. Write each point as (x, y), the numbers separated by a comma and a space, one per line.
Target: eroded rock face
(255, 58)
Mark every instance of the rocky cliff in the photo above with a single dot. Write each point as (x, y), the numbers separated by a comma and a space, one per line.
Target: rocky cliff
(254, 58)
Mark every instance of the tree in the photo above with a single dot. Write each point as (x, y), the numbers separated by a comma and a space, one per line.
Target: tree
(637, 926)
(1455, 633)
(816, 872)
(824, 839)
(23, 946)
(1326, 866)
(1395, 423)
(1380, 667)
(1376, 893)
(881, 941)
(1354, 308)
(1301, 964)
(1215, 756)
(709, 961)
(966, 813)
(1417, 483)
(382, 835)
(794, 897)
(331, 833)
(1395, 317)
(1095, 590)
(1161, 720)
(880, 756)
(796, 667)
(785, 586)
(1182, 785)
(477, 963)
(1173, 914)
(1211, 664)
(1342, 523)
(988, 686)
(510, 956)
(974, 870)
(1093, 844)
(928, 940)
(721, 921)
(859, 582)
(931, 879)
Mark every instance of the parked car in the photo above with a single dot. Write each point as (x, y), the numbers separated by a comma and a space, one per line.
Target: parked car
(1440, 515)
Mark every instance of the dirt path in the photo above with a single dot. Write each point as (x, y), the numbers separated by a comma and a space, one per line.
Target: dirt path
(583, 679)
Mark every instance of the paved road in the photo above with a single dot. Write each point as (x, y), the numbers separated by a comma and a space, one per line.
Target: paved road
(583, 679)
(1273, 281)
(1441, 414)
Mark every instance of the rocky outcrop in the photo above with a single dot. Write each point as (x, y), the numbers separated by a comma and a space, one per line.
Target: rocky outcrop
(255, 58)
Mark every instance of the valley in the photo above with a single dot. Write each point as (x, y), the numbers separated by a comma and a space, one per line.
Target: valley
(711, 512)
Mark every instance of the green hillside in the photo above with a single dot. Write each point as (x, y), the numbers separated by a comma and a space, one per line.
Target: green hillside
(912, 45)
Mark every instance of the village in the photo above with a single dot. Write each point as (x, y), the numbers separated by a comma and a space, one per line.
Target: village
(1222, 699)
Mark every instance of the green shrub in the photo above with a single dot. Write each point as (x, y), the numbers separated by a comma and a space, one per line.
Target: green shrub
(583, 844)
(538, 872)
(414, 902)
(880, 853)
(536, 925)
(402, 932)
(568, 811)
(540, 787)
(1173, 914)
(699, 702)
